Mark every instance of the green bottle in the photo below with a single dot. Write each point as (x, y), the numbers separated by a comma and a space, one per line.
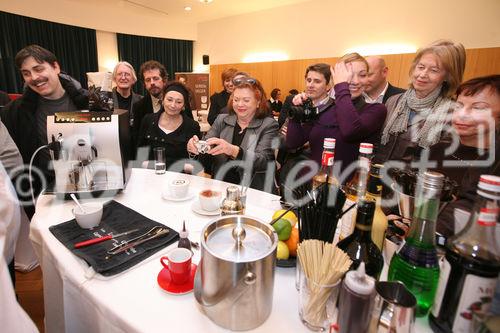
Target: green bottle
(416, 263)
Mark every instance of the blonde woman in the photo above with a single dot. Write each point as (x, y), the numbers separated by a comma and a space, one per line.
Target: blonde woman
(417, 118)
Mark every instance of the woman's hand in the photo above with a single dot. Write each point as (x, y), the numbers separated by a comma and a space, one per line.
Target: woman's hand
(221, 146)
(191, 147)
(341, 73)
(299, 99)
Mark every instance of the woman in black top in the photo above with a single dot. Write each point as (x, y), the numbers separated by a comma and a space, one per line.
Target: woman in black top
(169, 128)
(218, 101)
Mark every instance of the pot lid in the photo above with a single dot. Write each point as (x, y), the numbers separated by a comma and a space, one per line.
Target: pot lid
(241, 239)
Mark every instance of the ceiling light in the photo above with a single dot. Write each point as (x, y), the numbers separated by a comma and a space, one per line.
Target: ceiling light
(206, 1)
(187, 8)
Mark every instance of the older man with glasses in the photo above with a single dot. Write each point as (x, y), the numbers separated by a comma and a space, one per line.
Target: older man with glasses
(123, 96)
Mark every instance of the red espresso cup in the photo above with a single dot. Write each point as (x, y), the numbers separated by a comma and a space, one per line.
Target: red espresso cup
(178, 263)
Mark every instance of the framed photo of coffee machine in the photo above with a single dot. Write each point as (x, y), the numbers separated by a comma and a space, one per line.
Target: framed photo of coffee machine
(93, 155)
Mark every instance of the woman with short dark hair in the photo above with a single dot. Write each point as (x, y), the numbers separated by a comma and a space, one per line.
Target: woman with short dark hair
(170, 127)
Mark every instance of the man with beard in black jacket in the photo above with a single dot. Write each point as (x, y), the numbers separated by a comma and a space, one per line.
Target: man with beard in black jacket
(47, 91)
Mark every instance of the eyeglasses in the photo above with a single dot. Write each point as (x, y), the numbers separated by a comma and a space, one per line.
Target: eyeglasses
(124, 74)
(242, 80)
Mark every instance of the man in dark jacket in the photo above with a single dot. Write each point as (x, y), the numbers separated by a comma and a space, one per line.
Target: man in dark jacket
(123, 96)
(154, 75)
(46, 93)
(378, 90)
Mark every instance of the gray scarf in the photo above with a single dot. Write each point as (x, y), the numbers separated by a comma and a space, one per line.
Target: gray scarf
(432, 109)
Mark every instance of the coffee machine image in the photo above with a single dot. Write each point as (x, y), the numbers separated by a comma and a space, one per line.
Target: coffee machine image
(93, 152)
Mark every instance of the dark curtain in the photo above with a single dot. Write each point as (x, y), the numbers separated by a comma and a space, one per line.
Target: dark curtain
(176, 55)
(75, 48)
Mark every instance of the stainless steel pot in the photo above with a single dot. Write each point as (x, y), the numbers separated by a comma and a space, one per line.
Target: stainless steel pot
(235, 277)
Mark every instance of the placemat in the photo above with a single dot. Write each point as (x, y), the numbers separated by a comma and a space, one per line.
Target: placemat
(116, 218)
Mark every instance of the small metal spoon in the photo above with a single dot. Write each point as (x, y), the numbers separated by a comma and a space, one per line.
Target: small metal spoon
(73, 196)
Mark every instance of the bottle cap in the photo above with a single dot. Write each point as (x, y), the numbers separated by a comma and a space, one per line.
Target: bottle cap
(489, 183)
(366, 148)
(329, 143)
(433, 179)
(183, 233)
(359, 282)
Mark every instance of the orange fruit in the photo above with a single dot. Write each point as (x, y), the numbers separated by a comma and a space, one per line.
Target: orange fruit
(293, 241)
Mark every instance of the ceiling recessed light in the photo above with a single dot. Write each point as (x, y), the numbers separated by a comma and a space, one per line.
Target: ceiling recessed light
(206, 1)
(187, 8)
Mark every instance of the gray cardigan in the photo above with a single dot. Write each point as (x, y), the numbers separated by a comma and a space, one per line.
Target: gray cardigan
(258, 147)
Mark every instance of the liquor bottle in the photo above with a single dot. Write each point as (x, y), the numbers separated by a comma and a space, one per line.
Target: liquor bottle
(416, 263)
(359, 246)
(471, 265)
(325, 173)
(374, 192)
(354, 190)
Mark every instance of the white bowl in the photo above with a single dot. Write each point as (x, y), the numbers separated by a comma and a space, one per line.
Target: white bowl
(92, 216)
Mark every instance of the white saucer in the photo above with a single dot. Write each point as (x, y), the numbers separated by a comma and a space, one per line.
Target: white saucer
(167, 196)
(198, 210)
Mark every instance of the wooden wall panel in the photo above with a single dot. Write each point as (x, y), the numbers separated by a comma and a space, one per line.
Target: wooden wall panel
(286, 75)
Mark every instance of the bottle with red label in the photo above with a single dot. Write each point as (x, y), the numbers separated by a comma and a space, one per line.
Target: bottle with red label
(471, 266)
(325, 174)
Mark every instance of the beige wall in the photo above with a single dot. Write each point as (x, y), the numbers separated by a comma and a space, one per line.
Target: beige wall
(328, 28)
(105, 15)
(314, 29)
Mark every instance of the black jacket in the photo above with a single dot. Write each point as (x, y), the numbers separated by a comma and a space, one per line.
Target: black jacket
(175, 143)
(141, 109)
(218, 101)
(20, 119)
(391, 91)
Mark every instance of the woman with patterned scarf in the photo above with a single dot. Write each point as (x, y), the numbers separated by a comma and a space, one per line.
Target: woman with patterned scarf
(417, 118)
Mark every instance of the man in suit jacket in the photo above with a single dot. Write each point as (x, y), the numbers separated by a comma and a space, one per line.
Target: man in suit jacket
(378, 90)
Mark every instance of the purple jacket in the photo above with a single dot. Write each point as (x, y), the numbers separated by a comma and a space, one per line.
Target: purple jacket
(343, 122)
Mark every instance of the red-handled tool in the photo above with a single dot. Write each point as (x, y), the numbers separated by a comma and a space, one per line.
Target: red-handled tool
(102, 239)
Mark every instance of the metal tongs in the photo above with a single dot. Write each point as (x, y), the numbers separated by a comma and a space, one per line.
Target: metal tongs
(151, 234)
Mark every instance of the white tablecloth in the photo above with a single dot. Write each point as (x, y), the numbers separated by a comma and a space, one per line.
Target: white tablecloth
(76, 300)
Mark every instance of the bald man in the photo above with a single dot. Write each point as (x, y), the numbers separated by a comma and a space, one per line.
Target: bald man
(378, 90)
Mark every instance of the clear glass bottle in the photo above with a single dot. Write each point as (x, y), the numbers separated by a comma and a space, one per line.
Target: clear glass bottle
(355, 189)
(416, 263)
(232, 205)
(374, 192)
(471, 265)
(325, 173)
(359, 246)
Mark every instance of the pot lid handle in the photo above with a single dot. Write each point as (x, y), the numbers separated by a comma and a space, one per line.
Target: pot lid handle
(239, 234)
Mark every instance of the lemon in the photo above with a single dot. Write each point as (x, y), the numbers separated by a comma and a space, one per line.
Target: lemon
(290, 216)
(283, 229)
(282, 251)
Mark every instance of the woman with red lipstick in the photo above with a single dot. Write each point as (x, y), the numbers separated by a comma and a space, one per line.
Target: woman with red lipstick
(169, 128)
(240, 141)
(476, 125)
(348, 118)
(417, 118)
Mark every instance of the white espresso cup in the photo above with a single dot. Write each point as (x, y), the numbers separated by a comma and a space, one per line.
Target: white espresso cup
(178, 188)
(210, 200)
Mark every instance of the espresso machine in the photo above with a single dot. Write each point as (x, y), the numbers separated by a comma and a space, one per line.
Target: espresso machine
(92, 152)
